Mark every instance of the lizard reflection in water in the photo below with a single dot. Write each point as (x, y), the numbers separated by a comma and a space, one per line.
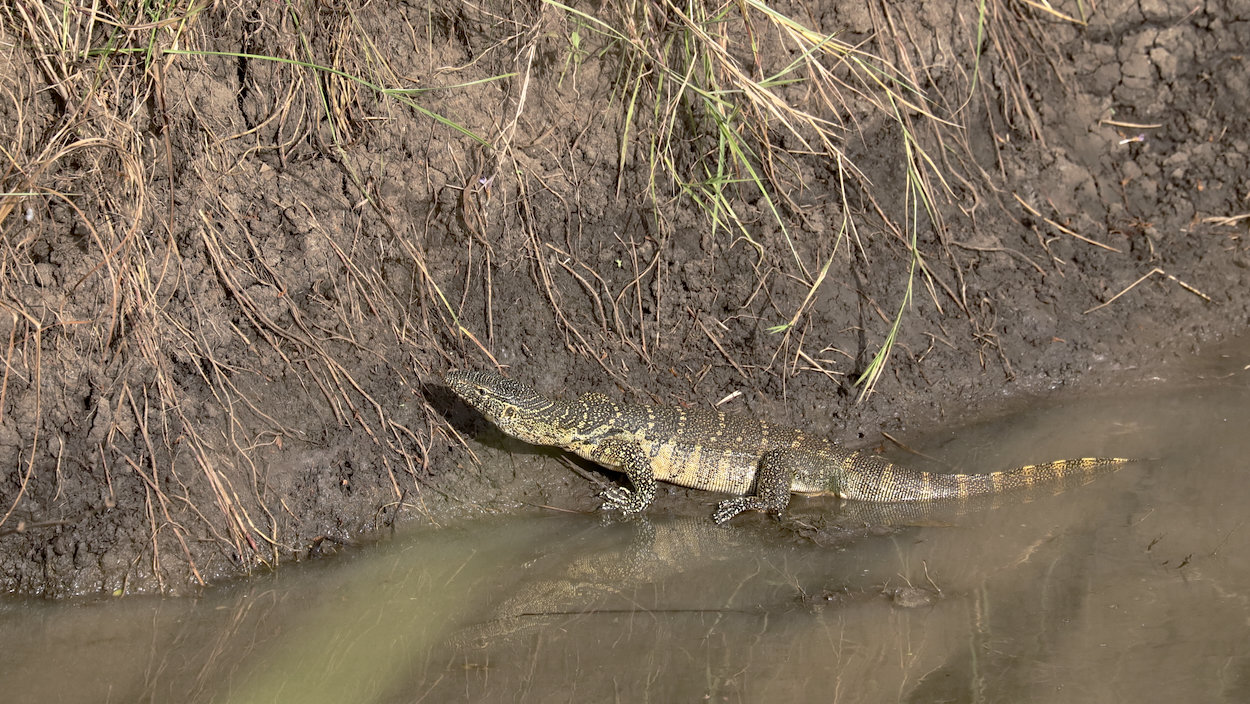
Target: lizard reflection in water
(629, 567)
(760, 462)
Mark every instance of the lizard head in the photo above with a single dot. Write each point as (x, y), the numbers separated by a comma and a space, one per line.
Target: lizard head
(516, 408)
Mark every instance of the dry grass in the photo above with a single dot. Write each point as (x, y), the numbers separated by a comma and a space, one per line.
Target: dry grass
(736, 103)
(724, 104)
(138, 306)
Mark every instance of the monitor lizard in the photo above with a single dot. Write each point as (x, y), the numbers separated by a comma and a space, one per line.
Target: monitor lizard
(761, 462)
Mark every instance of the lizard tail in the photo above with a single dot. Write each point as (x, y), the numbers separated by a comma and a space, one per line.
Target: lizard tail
(874, 479)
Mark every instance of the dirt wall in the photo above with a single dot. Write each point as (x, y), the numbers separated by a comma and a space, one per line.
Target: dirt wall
(232, 278)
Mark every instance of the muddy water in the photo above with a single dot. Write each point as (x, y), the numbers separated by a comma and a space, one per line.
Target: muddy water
(1132, 588)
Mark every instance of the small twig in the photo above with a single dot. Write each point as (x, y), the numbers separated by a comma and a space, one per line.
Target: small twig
(1034, 212)
(926, 576)
(723, 351)
(1130, 125)
(34, 443)
(1230, 220)
(816, 366)
(1082, 238)
(1006, 250)
(1145, 276)
(555, 508)
(592, 478)
(564, 264)
(23, 526)
(1216, 551)
(1046, 7)
(912, 450)
(1189, 288)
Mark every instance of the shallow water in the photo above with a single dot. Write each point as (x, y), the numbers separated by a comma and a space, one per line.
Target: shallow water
(1131, 588)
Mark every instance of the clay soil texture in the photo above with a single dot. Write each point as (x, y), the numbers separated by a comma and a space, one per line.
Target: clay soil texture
(240, 240)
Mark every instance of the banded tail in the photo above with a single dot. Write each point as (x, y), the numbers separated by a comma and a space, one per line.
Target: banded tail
(869, 478)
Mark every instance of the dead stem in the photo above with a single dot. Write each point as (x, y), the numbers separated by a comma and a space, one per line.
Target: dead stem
(34, 444)
(721, 347)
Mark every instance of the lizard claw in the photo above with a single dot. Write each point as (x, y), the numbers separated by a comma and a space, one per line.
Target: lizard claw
(619, 499)
(728, 509)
